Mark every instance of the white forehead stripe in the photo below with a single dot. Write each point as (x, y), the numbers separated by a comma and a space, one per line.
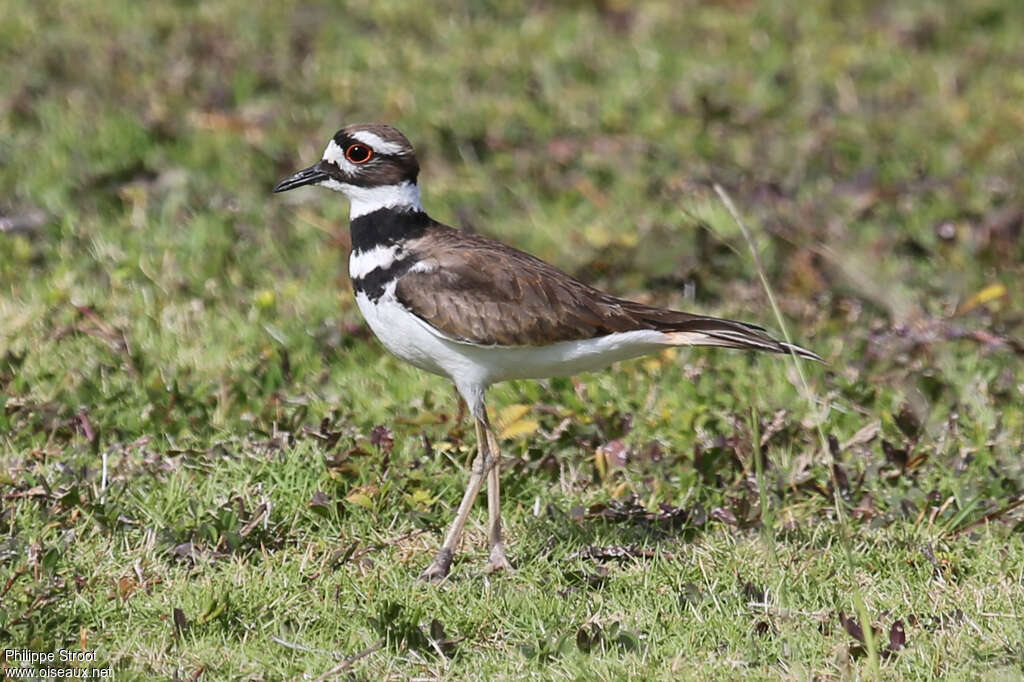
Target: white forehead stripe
(378, 143)
(336, 155)
(404, 196)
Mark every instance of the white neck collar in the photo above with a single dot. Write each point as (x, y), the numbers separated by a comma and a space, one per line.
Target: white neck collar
(404, 196)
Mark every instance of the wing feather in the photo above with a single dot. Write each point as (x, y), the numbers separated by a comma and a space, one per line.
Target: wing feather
(480, 291)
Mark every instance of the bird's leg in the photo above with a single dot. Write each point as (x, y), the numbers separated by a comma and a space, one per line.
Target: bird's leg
(497, 561)
(442, 563)
(462, 409)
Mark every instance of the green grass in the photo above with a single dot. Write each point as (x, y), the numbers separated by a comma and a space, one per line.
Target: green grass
(162, 313)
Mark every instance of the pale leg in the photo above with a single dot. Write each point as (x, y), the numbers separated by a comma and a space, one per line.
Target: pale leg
(442, 563)
(498, 561)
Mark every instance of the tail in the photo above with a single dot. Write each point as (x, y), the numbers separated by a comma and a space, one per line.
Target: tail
(713, 331)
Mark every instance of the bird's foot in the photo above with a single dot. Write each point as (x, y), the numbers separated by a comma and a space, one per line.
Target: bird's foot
(498, 561)
(439, 567)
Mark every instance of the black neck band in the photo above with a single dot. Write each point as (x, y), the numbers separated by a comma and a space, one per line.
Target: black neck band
(387, 226)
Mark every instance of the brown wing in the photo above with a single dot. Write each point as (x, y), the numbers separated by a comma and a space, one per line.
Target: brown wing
(483, 292)
(486, 293)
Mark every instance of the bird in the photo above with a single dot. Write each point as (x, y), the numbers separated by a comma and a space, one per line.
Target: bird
(477, 311)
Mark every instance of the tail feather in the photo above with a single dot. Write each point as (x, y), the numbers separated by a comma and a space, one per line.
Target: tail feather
(712, 331)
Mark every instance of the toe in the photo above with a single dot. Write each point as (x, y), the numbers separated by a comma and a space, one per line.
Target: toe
(498, 561)
(439, 567)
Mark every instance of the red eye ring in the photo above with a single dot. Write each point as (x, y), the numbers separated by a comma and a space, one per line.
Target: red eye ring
(358, 153)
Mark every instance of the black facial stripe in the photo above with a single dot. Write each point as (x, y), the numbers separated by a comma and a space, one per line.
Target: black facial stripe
(343, 140)
(382, 169)
(386, 226)
(376, 281)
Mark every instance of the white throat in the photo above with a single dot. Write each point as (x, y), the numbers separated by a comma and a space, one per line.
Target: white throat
(363, 200)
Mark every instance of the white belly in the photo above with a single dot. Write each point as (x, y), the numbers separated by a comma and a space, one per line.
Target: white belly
(419, 344)
(404, 334)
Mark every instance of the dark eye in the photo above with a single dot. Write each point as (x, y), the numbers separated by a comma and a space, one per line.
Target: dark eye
(358, 153)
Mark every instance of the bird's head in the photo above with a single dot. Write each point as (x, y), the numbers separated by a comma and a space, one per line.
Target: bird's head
(374, 165)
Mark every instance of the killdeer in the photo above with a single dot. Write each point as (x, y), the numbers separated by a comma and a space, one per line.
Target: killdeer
(477, 311)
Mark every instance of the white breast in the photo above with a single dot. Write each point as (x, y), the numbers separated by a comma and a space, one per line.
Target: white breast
(362, 263)
(406, 335)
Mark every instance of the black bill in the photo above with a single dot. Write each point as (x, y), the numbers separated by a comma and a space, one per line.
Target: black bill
(306, 176)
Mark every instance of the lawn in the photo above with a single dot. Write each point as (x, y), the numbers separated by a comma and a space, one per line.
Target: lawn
(211, 470)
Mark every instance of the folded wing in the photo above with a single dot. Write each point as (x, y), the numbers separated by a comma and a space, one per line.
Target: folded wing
(479, 291)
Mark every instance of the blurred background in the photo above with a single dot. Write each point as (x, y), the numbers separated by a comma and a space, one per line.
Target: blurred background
(873, 146)
(157, 301)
